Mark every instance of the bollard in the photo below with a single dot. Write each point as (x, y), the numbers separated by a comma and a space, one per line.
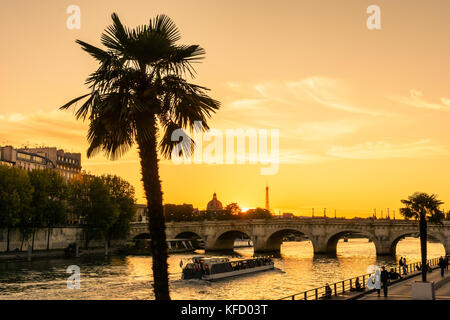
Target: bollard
(106, 248)
(29, 253)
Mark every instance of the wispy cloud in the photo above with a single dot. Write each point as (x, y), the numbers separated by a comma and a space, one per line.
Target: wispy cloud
(327, 92)
(42, 127)
(384, 150)
(416, 99)
(307, 93)
(446, 101)
(96, 163)
(322, 130)
(293, 156)
(252, 104)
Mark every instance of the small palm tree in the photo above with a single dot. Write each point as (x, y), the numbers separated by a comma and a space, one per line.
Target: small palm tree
(138, 91)
(423, 207)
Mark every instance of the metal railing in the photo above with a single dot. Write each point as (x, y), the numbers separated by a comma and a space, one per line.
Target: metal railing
(345, 286)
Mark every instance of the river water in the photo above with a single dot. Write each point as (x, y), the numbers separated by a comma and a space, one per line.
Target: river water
(130, 277)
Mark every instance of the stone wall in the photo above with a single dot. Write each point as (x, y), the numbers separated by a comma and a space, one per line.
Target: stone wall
(60, 238)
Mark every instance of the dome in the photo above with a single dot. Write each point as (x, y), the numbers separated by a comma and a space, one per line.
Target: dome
(214, 204)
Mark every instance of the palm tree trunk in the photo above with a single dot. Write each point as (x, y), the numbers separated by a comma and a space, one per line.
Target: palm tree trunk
(152, 186)
(423, 245)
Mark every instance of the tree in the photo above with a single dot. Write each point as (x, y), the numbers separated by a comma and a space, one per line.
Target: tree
(15, 198)
(423, 207)
(121, 193)
(180, 212)
(219, 214)
(257, 213)
(49, 200)
(90, 198)
(139, 90)
(233, 208)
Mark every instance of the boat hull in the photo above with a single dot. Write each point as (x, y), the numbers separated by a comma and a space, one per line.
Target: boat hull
(237, 272)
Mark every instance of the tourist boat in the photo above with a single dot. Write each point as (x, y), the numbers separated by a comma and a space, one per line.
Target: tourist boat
(142, 246)
(218, 268)
(179, 245)
(243, 243)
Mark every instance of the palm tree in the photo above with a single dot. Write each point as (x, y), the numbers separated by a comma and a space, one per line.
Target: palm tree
(138, 91)
(423, 207)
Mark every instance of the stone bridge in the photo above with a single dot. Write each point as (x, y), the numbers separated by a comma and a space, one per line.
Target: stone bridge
(324, 233)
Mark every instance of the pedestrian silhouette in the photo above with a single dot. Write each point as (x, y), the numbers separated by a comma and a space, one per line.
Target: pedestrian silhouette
(442, 265)
(384, 277)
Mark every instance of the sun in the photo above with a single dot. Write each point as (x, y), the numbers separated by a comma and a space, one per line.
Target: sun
(244, 209)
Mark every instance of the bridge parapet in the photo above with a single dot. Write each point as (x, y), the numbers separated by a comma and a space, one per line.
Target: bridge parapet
(324, 233)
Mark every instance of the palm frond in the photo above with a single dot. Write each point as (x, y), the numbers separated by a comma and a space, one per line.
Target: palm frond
(115, 36)
(73, 101)
(111, 129)
(186, 103)
(95, 52)
(139, 80)
(165, 27)
(168, 144)
(422, 204)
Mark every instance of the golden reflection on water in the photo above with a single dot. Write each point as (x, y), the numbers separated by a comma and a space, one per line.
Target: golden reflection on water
(130, 277)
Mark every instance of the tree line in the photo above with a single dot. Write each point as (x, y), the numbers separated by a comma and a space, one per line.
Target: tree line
(29, 200)
(186, 212)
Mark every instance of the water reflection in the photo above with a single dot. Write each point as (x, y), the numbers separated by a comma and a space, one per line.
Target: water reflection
(130, 277)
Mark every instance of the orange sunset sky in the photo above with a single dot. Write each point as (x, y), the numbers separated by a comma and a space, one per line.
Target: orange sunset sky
(363, 114)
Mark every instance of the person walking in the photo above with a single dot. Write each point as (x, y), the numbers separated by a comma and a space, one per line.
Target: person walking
(446, 262)
(442, 266)
(384, 278)
(328, 291)
(400, 262)
(405, 267)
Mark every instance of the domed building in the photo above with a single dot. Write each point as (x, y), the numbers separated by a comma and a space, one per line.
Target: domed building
(214, 204)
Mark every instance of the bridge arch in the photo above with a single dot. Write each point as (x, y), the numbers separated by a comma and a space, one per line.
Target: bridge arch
(329, 246)
(275, 239)
(225, 240)
(188, 235)
(142, 236)
(196, 239)
(401, 235)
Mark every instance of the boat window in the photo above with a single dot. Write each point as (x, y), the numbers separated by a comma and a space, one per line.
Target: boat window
(221, 268)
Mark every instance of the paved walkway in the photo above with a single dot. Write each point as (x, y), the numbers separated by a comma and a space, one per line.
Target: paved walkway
(402, 290)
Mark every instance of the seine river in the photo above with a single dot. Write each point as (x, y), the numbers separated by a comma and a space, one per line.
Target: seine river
(130, 277)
